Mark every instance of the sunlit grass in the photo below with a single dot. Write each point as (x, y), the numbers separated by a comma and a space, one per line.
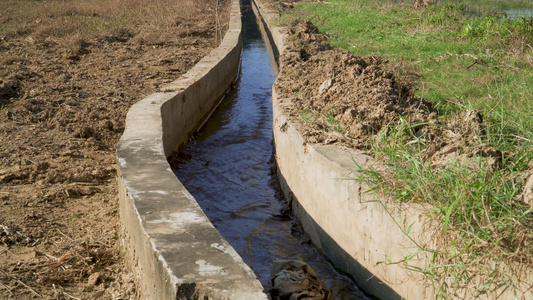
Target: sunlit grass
(485, 230)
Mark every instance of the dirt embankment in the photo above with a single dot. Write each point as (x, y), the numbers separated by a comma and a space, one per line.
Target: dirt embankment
(63, 102)
(344, 99)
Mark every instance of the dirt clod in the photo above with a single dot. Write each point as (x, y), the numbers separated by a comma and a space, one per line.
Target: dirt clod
(93, 278)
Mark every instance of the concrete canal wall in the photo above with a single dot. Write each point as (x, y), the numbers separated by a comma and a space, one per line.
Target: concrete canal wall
(173, 249)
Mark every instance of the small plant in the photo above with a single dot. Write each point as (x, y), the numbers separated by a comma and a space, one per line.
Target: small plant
(325, 118)
(309, 116)
(333, 124)
(74, 218)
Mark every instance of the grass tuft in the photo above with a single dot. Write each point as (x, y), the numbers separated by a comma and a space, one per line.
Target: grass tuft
(486, 230)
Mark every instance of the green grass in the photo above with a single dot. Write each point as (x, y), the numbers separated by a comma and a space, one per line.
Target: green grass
(325, 117)
(483, 223)
(484, 6)
(477, 6)
(309, 116)
(458, 62)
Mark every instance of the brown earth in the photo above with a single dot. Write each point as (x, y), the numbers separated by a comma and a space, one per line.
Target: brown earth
(63, 102)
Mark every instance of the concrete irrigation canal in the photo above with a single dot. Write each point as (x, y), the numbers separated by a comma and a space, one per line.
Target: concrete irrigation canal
(228, 168)
(173, 248)
(213, 231)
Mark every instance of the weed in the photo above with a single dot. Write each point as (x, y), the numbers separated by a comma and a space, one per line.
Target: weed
(326, 118)
(309, 116)
(74, 218)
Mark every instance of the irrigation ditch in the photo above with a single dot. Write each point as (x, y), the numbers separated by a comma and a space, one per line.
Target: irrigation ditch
(229, 168)
(178, 248)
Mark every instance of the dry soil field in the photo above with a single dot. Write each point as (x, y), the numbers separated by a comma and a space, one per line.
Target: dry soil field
(69, 71)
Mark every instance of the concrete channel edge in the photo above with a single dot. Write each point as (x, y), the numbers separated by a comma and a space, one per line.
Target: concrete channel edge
(171, 246)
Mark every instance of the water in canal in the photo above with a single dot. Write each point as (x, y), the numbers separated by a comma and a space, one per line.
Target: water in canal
(230, 173)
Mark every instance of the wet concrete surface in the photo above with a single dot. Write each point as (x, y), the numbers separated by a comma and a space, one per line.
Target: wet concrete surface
(230, 171)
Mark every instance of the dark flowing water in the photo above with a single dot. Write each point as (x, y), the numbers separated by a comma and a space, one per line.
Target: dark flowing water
(230, 173)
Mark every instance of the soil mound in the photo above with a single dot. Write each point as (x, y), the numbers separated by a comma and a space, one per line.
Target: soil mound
(347, 99)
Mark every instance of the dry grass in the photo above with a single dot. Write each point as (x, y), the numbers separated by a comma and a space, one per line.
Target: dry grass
(77, 21)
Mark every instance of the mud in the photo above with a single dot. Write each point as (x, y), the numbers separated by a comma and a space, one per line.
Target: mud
(62, 111)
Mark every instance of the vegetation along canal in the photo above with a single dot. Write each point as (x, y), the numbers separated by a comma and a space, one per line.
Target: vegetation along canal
(229, 172)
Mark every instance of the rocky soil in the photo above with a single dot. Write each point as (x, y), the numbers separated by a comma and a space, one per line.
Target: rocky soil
(62, 110)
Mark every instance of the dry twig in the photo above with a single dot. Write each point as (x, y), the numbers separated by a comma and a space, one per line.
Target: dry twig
(70, 296)
(7, 288)
(477, 62)
(29, 288)
(7, 250)
(65, 235)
